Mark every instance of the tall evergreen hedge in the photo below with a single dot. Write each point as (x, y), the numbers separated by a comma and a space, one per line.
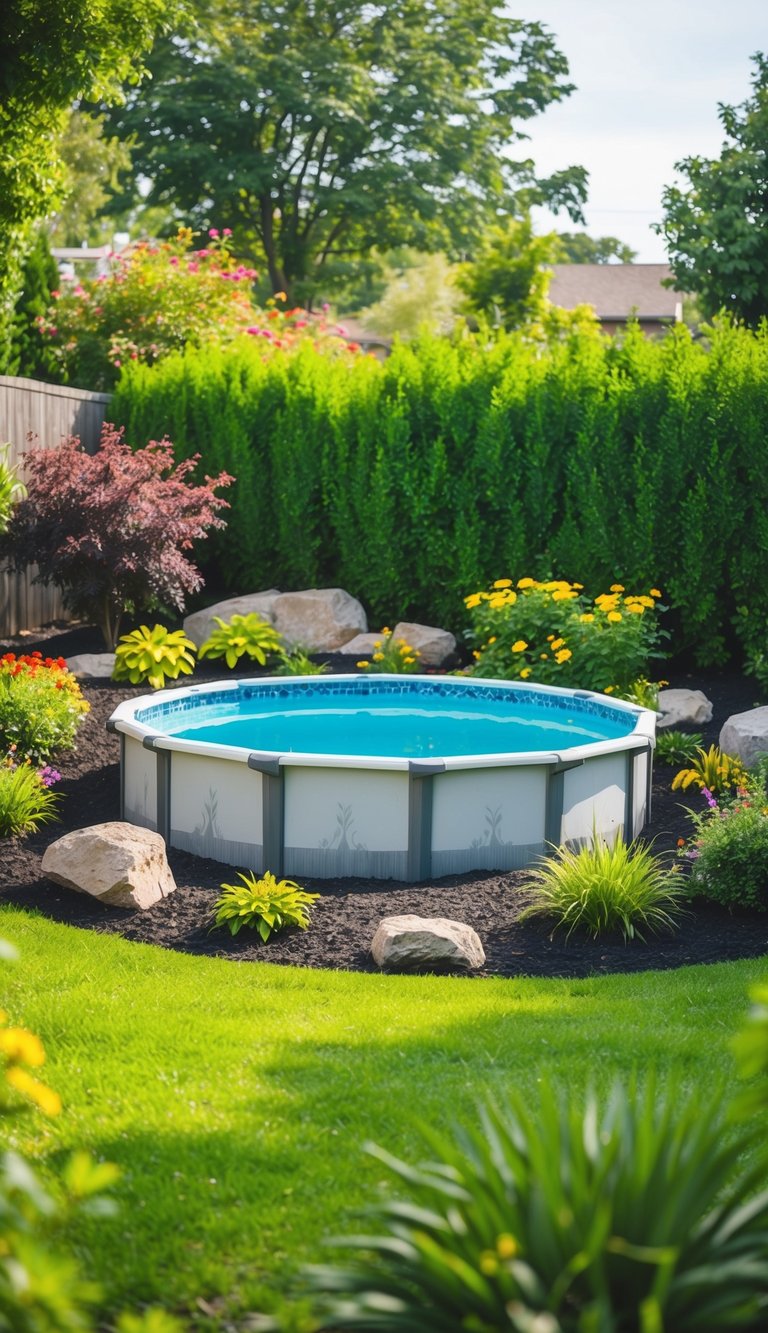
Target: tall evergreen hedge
(415, 482)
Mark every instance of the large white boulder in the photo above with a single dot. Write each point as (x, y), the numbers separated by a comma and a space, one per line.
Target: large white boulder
(408, 942)
(201, 624)
(683, 708)
(118, 863)
(746, 735)
(319, 619)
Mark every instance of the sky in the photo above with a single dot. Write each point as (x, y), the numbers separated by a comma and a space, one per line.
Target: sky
(649, 76)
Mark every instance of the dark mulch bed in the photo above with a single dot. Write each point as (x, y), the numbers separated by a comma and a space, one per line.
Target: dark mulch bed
(346, 916)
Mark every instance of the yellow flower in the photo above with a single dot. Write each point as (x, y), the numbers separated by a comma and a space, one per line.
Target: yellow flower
(577, 585)
(18, 1045)
(562, 596)
(614, 615)
(506, 1246)
(587, 618)
(519, 646)
(363, 664)
(45, 1098)
(654, 592)
(543, 656)
(616, 587)
(525, 583)
(279, 296)
(409, 660)
(503, 583)
(550, 637)
(563, 655)
(635, 607)
(525, 673)
(491, 640)
(609, 689)
(377, 643)
(476, 655)
(377, 657)
(386, 630)
(489, 1264)
(473, 600)
(557, 643)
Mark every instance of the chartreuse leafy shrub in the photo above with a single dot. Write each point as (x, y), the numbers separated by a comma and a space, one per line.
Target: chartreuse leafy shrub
(243, 636)
(152, 655)
(41, 707)
(266, 904)
(414, 481)
(711, 770)
(110, 530)
(553, 634)
(391, 655)
(604, 887)
(641, 1209)
(728, 853)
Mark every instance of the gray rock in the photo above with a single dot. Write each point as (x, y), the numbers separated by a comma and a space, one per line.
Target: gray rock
(318, 619)
(201, 624)
(118, 863)
(361, 646)
(407, 942)
(92, 666)
(746, 735)
(433, 645)
(683, 708)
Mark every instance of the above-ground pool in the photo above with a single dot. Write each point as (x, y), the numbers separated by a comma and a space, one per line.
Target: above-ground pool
(401, 777)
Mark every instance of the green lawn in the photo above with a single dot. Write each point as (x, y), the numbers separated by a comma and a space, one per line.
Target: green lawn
(235, 1097)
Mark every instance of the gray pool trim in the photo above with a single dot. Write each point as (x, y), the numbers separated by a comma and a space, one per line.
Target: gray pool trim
(421, 773)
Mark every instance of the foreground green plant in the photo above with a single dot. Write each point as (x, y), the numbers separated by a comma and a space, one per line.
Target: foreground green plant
(391, 656)
(26, 800)
(266, 904)
(637, 1211)
(605, 887)
(678, 747)
(711, 769)
(41, 707)
(152, 655)
(728, 854)
(11, 489)
(298, 663)
(552, 634)
(243, 636)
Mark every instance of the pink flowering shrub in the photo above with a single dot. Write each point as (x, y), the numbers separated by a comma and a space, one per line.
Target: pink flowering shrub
(156, 299)
(111, 530)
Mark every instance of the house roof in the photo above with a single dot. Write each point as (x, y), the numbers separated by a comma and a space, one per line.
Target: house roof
(616, 290)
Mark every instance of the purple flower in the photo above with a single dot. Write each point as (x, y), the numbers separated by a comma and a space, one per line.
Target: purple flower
(711, 802)
(49, 775)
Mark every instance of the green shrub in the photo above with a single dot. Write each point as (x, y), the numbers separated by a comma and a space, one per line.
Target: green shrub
(678, 747)
(605, 887)
(26, 800)
(641, 1211)
(41, 707)
(298, 663)
(11, 489)
(152, 655)
(242, 636)
(711, 770)
(266, 904)
(728, 853)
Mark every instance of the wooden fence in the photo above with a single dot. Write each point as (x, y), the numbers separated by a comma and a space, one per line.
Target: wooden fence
(37, 416)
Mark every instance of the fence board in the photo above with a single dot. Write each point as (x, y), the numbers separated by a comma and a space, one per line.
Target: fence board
(34, 415)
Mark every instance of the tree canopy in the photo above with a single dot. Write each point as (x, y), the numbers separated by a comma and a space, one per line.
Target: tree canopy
(716, 227)
(319, 130)
(576, 247)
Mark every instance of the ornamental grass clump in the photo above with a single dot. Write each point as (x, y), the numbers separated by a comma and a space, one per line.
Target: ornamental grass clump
(606, 887)
(728, 853)
(677, 747)
(26, 799)
(551, 633)
(640, 1209)
(41, 707)
(266, 904)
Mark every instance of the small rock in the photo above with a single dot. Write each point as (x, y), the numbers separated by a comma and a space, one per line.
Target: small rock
(318, 619)
(407, 942)
(201, 624)
(92, 666)
(118, 863)
(683, 708)
(745, 735)
(433, 645)
(363, 645)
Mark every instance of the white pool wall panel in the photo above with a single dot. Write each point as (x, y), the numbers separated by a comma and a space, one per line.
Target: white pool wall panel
(487, 819)
(341, 822)
(216, 809)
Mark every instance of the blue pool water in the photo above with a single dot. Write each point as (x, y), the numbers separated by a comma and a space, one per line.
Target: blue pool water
(411, 727)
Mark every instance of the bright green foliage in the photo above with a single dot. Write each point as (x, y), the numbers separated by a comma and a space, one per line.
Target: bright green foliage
(391, 655)
(638, 1210)
(576, 247)
(298, 663)
(152, 655)
(716, 227)
(11, 489)
(603, 887)
(242, 636)
(30, 354)
(713, 769)
(728, 854)
(415, 481)
(553, 634)
(507, 278)
(25, 801)
(41, 707)
(750, 1046)
(677, 747)
(264, 903)
(321, 131)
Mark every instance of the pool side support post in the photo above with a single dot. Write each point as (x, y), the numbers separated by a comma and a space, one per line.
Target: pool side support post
(420, 776)
(163, 786)
(112, 728)
(553, 813)
(272, 809)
